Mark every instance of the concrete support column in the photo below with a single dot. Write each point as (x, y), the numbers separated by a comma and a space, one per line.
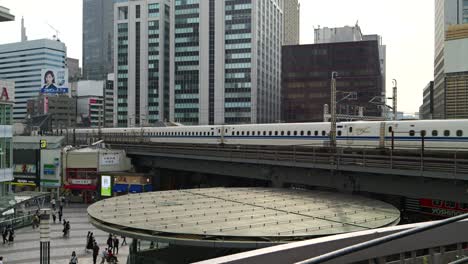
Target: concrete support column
(44, 229)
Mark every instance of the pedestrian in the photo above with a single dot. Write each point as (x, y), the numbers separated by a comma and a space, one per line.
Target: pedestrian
(52, 202)
(104, 256)
(109, 242)
(54, 216)
(1, 259)
(11, 236)
(115, 249)
(89, 243)
(124, 241)
(60, 215)
(95, 252)
(74, 258)
(5, 234)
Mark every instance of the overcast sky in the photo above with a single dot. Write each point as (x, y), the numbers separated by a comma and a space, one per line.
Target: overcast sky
(407, 28)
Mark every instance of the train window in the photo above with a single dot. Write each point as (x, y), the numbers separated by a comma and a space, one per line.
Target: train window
(350, 130)
(323, 133)
(282, 133)
(302, 133)
(435, 133)
(295, 133)
(243, 133)
(309, 133)
(259, 133)
(212, 133)
(423, 133)
(238, 132)
(270, 133)
(289, 133)
(276, 133)
(390, 129)
(225, 131)
(411, 133)
(248, 133)
(253, 133)
(232, 133)
(339, 133)
(449, 204)
(316, 133)
(459, 133)
(446, 133)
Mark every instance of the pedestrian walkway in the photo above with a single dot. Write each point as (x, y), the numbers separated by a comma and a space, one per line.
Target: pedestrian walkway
(25, 249)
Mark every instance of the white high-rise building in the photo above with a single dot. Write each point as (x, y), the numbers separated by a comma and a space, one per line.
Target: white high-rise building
(447, 12)
(23, 62)
(291, 22)
(141, 62)
(226, 61)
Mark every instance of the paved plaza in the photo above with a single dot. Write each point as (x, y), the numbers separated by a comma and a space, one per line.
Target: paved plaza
(25, 249)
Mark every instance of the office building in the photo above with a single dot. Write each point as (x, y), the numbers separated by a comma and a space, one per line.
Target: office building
(5, 14)
(90, 103)
(456, 71)
(447, 12)
(74, 70)
(291, 24)
(141, 82)
(306, 78)
(109, 101)
(350, 34)
(426, 111)
(24, 62)
(98, 38)
(226, 61)
(59, 109)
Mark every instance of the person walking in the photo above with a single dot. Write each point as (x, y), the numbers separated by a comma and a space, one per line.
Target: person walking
(95, 252)
(54, 216)
(5, 234)
(124, 241)
(11, 236)
(74, 258)
(115, 249)
(52, 202)
(104, 256)
(60, 215)
(109, 242)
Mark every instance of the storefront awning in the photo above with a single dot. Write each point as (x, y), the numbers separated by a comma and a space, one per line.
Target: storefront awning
(120, 188)
(135, 188)
(80, 187)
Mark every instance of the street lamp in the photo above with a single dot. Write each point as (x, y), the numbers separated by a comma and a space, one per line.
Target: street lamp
(333, 110)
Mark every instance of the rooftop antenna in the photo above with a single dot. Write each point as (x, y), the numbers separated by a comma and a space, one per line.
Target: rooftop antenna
(56, 36)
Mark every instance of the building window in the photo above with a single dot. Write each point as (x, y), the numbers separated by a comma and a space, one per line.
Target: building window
(123, 12)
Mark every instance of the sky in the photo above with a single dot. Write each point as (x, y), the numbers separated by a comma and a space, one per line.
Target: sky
(406, 27)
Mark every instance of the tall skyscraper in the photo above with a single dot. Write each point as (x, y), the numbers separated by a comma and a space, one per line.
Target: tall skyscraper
(98, 38)
(226, 61)
(23, 63)
(291, 24)
(447, 12)
(141, 82)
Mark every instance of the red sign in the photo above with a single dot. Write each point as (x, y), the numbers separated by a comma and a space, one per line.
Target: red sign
(92, 101)
(4, 96)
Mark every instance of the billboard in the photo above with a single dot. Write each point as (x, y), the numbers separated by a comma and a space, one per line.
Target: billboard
(110, 159)
(54, 81)
(105, 185)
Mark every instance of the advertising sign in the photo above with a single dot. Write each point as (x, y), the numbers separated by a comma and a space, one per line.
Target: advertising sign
(110, 159)
(105, 185)
(7, 91)
(54, 81)
(81, 181)
(50, 171)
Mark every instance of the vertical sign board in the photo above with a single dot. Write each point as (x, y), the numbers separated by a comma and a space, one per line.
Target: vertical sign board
(105, 185)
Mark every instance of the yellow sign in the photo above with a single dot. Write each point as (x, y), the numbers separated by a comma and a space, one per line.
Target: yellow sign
(43, 143)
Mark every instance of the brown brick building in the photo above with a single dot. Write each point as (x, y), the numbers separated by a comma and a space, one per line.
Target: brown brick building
(306, 74)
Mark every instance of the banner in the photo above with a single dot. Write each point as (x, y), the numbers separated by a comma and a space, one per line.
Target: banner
(105, 185)
(110, 159)
(54, 81)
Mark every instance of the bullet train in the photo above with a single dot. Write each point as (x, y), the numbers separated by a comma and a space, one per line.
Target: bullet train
(436, 134)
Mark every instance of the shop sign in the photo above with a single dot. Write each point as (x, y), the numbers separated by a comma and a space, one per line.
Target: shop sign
(105, 185)
(49, 169)
(25, 168)
(50, 183)
(110, 159)
(81, 181)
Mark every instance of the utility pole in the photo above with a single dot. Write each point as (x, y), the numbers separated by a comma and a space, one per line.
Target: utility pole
(394, 99)
(333, 110)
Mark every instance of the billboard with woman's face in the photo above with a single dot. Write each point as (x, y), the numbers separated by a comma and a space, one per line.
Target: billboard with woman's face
(54, 81)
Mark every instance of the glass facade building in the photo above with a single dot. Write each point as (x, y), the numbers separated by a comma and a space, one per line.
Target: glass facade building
(141, 81)
(22, 62)
(7, 95)
(98, 38)
(226, 61)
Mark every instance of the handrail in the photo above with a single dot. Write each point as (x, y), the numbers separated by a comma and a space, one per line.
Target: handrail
(378, 241)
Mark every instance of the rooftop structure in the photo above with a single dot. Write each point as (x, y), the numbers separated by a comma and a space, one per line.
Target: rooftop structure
(238, 217)
(5, 14)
